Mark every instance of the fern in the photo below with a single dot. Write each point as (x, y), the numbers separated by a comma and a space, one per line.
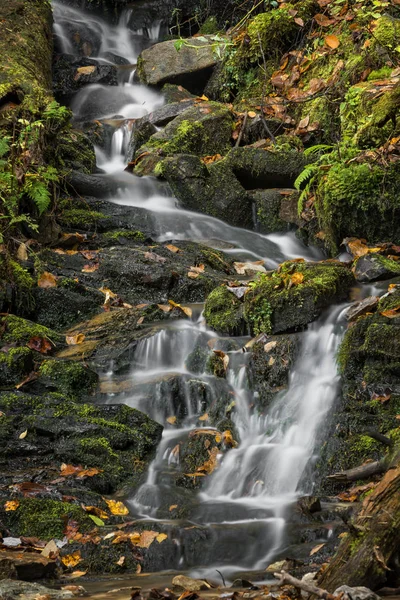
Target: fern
(317, 148)
(4, 146)
(306, 174)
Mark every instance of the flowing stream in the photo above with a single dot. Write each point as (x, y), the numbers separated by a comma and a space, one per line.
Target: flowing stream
(243, 510)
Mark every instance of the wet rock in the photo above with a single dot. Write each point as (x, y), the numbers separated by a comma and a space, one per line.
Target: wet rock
(70, 74)
(190, 67)
(256, 168)
(361, 308)
(284, 300)
(198, 457)
(213, 190)
(175, 93)
(16, 590)
(276, 209)
(271, 362)
(309, 504)
(189, 584)
(255, 129)
(91, 185)
(27, 566)
(374, 267)
(142, 130)
(368, 362)
(356, 593)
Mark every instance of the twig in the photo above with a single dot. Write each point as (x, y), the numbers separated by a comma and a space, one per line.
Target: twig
(242, 130)
(222, 577)
(379, 437)
(286, 579)
(264, 89)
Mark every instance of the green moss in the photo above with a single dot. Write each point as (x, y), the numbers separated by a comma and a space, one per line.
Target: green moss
(124, 233)
(78, 217)
(21, 330)
(381, 73)
(359, 199)
(387, 33)
(69, 377)
(215, 365)
(99, 447)
(209, 26)
(223, 311)
(75, 151)
(46, 519)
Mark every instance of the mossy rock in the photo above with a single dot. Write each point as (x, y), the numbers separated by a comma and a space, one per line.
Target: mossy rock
(71, 378)
(359, 199)
(74, 151)
(15, 365)
(273, 304)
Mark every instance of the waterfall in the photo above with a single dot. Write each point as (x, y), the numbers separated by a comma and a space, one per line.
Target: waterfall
(243, 509)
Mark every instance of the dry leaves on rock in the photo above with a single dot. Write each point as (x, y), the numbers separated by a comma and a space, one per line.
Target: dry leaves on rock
(71, 560)
(40, 344)
(116, 507)
(11, 505)
(79, 471)
(47, 280)
(185, 309)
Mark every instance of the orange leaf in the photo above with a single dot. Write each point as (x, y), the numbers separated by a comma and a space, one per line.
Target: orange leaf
(39, 344)
(297, 278)
(73, 340)
(47, 280)
(11, 505)
(251, 114)
(332, 41)
(71, 560)
(90, 268)
(391, 313)
(323, 20)
(172, 248)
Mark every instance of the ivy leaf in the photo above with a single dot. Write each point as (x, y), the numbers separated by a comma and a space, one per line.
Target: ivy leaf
(178, 44)
(96, 520)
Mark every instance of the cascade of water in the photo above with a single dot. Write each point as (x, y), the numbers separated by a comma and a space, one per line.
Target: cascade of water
(255, 483)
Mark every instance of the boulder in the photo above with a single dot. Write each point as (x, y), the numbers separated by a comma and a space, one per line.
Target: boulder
(271, 361)
(213, 190)
(276, 209)
(282, 300)
(16, 590)
(70, 74)
(190, 67)
(375, 267)
(256, 168)
(26, 566)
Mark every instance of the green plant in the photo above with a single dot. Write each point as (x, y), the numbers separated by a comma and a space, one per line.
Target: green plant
(309, 175)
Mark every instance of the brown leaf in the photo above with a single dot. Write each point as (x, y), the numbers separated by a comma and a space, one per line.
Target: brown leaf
(22, 252)
(304, 122)
(147, 538)
(40, 345)
(207, 160)
(204, 417)
(299, 21)
(251, 114)
(192, 275)
(323, 20)
(332, 41)
(316, 549)
(185, 309)
(76, 574)
(89, 254)
(155, 257)
(73, 340)
(391, 313)
(90, 268)
(96, 511)
(173, 248)
(172, 507)
(381, 398)
(120, 561)
(78, 471)
(47, 280)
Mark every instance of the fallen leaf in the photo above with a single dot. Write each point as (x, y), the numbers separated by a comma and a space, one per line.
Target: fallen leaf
(204, 417)
(117, 508)
(71, 560)
(228, 440)
(297, 278)
(192, 275)
(23, 434)
(316, 549)
(89, 254)
(172, 507)
(138, 569)
(85, 71)
(73, 340)
(90, 268)
(381, 398)
(391, 313)
(249, 267)
(171, 420)
(323, 20)
(22, 252)
(299, 21)
(304, 122)
(332, 41)
(185, 309)
(120, 561)
(173, 248)
(147, 538)
(11, 505)
(40, 344)
(97, 520)
(78, 471)
(51, 548)
(208, 160)
(251, 114)
(161, 537)
(76, 574)
(47, 280)
(155, 257)
(96, 511)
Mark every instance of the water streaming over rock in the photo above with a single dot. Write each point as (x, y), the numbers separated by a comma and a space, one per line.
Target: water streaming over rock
(242, 511)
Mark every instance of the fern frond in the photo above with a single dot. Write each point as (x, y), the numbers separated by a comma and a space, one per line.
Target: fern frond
(4, 146)
(305, 175)
(317, 148)
(38, 192)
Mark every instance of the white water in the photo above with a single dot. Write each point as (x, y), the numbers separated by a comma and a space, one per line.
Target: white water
(244, 506)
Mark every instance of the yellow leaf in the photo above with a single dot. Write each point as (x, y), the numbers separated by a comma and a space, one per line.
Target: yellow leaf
(171, 420)
(251, 114)
(73, 340)
(185, 309)
(117, 508)
(86, 70)
(204, 417)
(172, 248)
(332, 41)
(23, 434)
(138, 569)
(47, 280)
(76, 574)
(98, 512)
(297, 278)
(11, 505)
(192, 275)
(204, 98)
(161, 537)
(71, 560)
(172, 507)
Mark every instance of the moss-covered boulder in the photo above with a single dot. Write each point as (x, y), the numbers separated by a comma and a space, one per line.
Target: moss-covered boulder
(276, 209)
(375, 267)
(369, 363)
(282, 300)
(204, 129)
(213, 190)
(190, 66)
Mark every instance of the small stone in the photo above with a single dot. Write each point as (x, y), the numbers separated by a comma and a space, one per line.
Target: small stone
(189, 584)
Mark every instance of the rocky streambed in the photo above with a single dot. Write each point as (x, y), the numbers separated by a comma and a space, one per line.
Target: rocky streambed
(185, 384)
